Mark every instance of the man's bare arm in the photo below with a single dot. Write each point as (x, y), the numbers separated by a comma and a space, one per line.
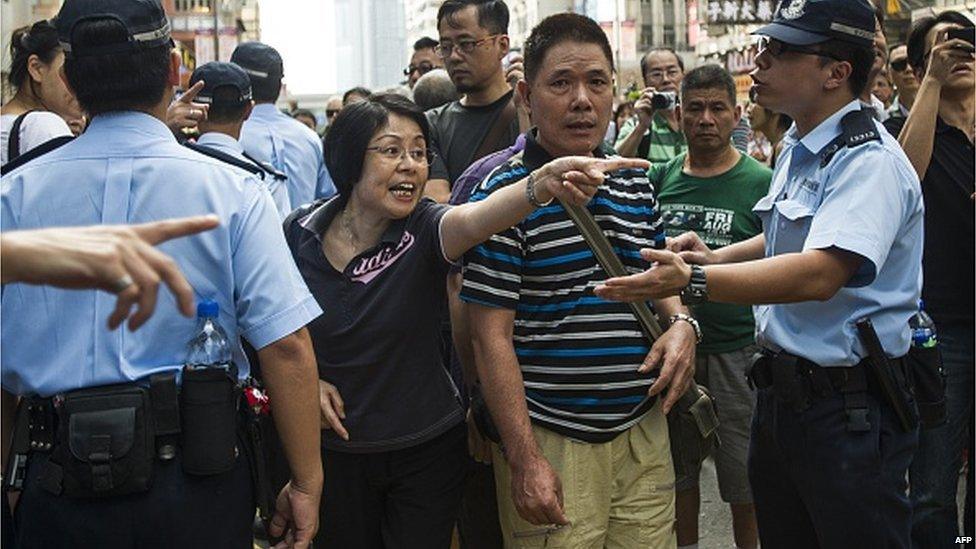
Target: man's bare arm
(536, 489)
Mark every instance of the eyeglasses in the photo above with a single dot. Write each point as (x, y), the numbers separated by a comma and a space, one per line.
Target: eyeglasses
(395, 153)
(422, 68)
(671, 73)
(446, 48)
(331, 112)
(900, 65)
(776, 48)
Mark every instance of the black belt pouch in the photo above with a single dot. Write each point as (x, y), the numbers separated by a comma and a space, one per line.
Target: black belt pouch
(208, 408)
(928, 380)
(106, 441)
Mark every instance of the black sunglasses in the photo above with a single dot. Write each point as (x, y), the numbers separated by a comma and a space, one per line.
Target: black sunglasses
(900, 65)
(777, 48)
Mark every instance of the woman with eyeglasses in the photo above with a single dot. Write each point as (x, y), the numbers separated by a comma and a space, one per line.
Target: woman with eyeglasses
(42, 105)
(376, 258)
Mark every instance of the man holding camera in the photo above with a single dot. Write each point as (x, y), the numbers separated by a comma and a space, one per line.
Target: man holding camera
(938, 139)
(654, 132)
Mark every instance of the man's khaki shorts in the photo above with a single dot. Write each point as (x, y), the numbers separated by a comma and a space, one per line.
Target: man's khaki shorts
(618, 494)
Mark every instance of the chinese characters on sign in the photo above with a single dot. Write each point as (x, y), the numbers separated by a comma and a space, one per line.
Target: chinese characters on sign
(719, 12)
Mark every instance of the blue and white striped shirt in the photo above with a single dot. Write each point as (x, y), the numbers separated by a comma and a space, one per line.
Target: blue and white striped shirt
(578, 353)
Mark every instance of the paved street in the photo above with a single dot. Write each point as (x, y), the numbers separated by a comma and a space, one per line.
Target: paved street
(715, 519)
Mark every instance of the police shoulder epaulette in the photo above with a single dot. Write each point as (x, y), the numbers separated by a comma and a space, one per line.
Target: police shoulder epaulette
(267, 167)
(37, 151)
(224, 157)
(859, 128)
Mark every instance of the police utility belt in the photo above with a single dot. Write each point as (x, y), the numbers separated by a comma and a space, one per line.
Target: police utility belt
(912, 385)
(103, 441)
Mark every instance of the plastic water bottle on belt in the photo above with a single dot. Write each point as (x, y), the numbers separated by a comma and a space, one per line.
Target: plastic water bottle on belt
(209, 347)
(209, 398)
(923, 329)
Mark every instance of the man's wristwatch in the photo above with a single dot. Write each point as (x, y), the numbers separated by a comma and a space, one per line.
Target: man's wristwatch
(690, 320)
(695, 292)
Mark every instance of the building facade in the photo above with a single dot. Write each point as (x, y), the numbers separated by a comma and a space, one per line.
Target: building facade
(370, 41)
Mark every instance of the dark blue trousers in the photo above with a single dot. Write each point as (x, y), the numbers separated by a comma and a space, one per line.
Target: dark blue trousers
(179, 510)
(818, 485)
(934, 474)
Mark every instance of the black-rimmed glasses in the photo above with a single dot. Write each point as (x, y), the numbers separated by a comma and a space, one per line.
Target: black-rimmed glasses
(446, 48)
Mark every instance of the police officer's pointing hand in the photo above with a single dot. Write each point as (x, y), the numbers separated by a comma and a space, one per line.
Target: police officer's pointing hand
(666, 277)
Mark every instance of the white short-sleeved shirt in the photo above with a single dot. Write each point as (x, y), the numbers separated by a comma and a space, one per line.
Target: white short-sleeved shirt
(128, 168)
(37, 128)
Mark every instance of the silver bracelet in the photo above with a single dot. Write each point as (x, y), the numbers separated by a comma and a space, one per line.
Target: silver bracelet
(690, 320)
(530, 193)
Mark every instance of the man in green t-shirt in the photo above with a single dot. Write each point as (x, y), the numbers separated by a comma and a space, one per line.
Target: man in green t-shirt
(711, 190)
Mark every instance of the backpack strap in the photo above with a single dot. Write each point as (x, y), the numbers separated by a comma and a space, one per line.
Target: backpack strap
(267, 167)
(502, 123)
(226, 158)
(37, 151)
(13, 140)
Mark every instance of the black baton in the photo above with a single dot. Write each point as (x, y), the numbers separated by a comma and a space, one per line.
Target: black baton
(881, 368)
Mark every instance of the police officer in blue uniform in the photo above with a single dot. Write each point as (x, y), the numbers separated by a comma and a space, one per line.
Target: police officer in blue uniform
(272, 136)
(116, 444)
(227, 92)
(841, 242)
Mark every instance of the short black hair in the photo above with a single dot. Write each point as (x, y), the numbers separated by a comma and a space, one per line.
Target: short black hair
(40, 39)
(265, 90)
(227, 106)
(353, 129)
(860, 58)
(559, 28)
(492, 14)
(358, 90)
(131, 80)
(643, 60)
(921, 28)
(709, 77)
(424, 43)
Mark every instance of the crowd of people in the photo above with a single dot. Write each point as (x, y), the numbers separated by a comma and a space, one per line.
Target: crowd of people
(423, 290)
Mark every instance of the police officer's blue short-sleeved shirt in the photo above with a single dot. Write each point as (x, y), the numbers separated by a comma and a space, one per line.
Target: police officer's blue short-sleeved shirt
(865, 200)
(228, 145)
(128, 168)
(292, 148)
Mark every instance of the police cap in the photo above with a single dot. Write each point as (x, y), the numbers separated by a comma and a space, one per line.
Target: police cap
(145, 23)
(259, 60)
(806, 22)
(218, 74)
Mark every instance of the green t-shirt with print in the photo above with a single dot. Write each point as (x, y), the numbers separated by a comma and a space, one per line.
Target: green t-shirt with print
(719, 209)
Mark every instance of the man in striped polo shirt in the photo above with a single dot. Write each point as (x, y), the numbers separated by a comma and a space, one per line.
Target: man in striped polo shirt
(570, 380)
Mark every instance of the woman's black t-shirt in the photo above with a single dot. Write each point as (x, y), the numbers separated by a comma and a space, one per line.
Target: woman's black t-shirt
(378, 339)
